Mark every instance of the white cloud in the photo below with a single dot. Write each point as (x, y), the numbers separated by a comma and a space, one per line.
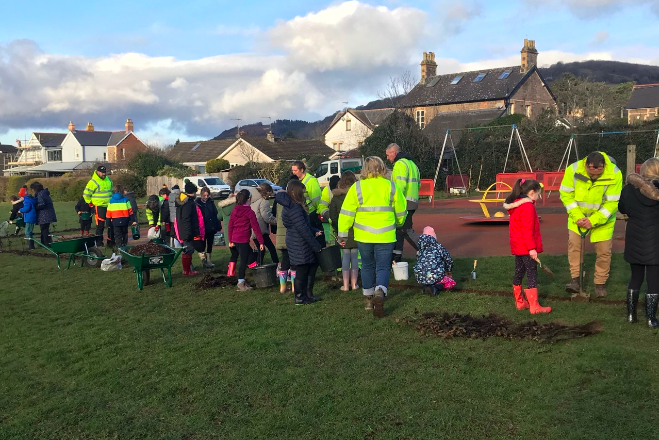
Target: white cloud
(596, 8)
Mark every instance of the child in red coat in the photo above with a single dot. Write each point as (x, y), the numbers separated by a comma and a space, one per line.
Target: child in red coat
(525, 242)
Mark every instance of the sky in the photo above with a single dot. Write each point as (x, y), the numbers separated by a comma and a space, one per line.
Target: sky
(189, 70)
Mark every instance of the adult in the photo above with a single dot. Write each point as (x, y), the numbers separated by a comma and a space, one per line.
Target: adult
(640, 201)
(174, 195)
(45, 211)
(212, 225)
(265, 217)
(590, 191)
(189, 226)
(407, 178)
(97, 193)
(326, 196)
(312, 194)
(375, 207)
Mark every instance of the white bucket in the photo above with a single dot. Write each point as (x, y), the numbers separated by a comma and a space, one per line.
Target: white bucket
(400, 271)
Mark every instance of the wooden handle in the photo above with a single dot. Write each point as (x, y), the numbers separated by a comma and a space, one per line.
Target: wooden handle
(475, 262)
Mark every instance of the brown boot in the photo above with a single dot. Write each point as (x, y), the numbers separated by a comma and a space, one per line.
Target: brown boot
(368, 302)
(573, 287)
(600, 290)
(378, 304)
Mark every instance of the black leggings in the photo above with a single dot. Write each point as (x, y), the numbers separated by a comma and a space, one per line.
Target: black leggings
(267, 242)
(285, 262)
(209, 242)
(245, 253)
(305, 278)
(524, 263)
(640, 271)
(45, 233)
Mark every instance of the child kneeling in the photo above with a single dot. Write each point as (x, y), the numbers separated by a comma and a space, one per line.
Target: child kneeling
(434, 265)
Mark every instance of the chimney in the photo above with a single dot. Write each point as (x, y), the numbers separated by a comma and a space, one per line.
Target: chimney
(529, 56)
(72, 126)
(90, 127)
(428, 66)
(270, 136)
(129, 125)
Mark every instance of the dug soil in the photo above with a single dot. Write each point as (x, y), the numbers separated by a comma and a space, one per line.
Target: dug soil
(455, 325)
(208, 281)
(148, 249)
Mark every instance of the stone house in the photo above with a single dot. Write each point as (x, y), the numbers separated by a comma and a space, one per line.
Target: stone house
(643, 104)
(350, 127)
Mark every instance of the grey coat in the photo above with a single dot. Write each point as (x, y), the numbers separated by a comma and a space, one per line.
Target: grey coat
(173, 197)
(263, 211)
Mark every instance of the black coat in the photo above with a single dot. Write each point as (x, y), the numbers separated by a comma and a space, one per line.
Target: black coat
(209, 212)
(187, 221)
(164, 211)
(639, 199)
(45, 208)
(15, 206)
(300, 236)
(82, 206)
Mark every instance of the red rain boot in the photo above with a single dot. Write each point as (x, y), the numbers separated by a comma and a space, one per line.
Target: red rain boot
(186, 260)
(520, 302)
(534, 305)
(232, 269)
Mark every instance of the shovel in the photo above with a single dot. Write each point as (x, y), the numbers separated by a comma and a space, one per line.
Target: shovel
(581, 296)
(473, 272)
(545, 268)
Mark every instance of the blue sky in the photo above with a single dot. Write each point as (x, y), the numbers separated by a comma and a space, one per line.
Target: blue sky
(186, 69)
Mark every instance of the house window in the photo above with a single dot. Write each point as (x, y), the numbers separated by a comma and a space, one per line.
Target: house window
(123, 153)
(511, 108)
(359, 144)
(55, 156)
(527, 111)
(456, 80)
(480, 77)
(421, 118)
(335, 145)
(105, 157)
(77, 153)
(348, 125)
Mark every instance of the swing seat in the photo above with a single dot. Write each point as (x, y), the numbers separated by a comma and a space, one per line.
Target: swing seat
(499, 216)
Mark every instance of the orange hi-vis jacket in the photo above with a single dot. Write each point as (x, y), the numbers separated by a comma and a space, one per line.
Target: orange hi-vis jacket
(120, 211)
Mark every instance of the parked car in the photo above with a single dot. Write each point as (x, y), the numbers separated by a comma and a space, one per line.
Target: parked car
(337, 167)
(219, 189)
(253, 183)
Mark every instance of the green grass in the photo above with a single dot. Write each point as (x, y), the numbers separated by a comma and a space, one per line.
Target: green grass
(83, 354)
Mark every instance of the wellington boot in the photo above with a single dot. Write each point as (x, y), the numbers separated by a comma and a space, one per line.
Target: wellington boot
(301, 300)
(534, 305)
(520, 302)
(188, 270)
(368, 302)
(282, 275)
(378, 304)
(291, 274)
(30, 245)
(231, 272)
(209, 264)
(253, 265)
(354, 278)
(632, 303)
(573, 287)
(651, 301)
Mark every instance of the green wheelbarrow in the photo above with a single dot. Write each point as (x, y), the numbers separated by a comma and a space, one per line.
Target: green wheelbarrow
(83, 247)
(142, 264)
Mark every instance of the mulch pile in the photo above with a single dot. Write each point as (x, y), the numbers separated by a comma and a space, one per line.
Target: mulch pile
(455, 325)
(148, 249)
(208, 281)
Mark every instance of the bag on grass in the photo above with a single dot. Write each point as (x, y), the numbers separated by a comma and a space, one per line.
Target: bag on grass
(111, 264)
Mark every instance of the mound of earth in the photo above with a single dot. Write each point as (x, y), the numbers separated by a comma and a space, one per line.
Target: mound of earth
(148, 249)
(208, 281)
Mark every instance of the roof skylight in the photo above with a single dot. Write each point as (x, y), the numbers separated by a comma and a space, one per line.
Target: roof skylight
(505, 74)
(480, 77)
(456, 80)
(196, 146)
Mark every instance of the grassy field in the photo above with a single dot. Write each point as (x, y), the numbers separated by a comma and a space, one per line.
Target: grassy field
(85, 355)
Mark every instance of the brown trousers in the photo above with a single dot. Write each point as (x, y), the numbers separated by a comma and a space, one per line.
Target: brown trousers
(602, 263)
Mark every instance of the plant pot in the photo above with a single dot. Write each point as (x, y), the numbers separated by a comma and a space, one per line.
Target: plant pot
(265, 276)
(330, 258)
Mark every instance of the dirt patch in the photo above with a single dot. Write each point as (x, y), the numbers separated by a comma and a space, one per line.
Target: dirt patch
(208, 281)
(455, 325)
(148, 249)
(28, 253)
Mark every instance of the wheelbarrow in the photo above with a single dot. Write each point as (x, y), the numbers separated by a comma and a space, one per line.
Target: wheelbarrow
(83, 247)
(142, 264)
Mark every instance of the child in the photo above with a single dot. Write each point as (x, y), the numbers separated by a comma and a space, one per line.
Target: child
(153, 215)
(350, 253)
(165, 215)
(242, 223)
(189, 227)
(284, 271)
(525, 242)
(301, 242)
(16, 205)
(265, 217)
(84, 216)
(29, 211)
(434, 264)
(121, 214)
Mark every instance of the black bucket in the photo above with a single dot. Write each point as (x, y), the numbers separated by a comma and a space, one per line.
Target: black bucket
(330, 258)
(265, 276)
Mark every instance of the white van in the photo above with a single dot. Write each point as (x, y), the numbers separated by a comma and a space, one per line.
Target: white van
(336, 167)
(218, 188)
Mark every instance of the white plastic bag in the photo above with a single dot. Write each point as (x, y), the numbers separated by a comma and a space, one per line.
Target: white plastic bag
(177, 244)
(153, 234)
(111, 264)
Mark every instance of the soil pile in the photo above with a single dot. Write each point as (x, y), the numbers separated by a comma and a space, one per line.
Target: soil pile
(455, 325)
(208, 281)
(148, 249)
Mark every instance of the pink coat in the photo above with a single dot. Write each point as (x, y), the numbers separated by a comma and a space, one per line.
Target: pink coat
(241, 224)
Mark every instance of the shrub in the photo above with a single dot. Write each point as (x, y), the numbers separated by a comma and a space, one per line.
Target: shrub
(217, 165)
(241, 172)
(14, 184)
(178, 170)
(132, 182)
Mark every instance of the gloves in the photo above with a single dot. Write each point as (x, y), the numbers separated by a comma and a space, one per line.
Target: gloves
(157, 228)
(91, 205)
(168, 227)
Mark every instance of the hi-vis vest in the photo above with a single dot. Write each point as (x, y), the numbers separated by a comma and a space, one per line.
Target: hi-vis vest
(325, 200)
(596, 200)
(98, 191)
(374, 207)
(407, 178)
(312, 192)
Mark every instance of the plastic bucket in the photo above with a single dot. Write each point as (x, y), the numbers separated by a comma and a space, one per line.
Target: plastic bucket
(136, 232)
(85, 216)
(265, 276)
(330, 258)
(400, 271)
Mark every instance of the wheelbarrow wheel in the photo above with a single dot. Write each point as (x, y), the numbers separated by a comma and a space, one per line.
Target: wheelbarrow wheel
(93, 262)
(146, 277)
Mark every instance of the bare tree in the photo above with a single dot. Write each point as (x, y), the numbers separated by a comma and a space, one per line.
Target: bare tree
(249, 153)
(397, 88)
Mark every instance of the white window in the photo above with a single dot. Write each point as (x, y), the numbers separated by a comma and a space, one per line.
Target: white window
(77, 153)
(527, 110)
(511, 108)
(348, 125)
(421, 118)
(123, 153)
(55, 156)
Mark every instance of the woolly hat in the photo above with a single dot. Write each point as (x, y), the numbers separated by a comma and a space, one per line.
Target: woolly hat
(429, 231)
(190, 188)
(334, 180)
(176, 186)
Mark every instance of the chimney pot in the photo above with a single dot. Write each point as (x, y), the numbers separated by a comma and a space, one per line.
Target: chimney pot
(129, 125)
(90, 127)
(72, 126)
(428, 66)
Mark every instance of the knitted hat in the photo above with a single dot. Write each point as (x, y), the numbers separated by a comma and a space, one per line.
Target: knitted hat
(334, 180)
(429, 231)
(190, 188)
(176, 186)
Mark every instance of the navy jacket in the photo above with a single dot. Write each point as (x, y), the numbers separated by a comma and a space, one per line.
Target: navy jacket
(300, 236)
(639, 199)
(45, 208)
(209, 212)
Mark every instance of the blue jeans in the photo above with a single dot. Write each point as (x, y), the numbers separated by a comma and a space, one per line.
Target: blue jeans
(376, 266)
(29, 227)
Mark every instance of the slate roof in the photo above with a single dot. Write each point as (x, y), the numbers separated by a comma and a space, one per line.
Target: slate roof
(49, 140)
(8, 149)
(644, 96)
(205, 151)
(290, 149)
(438, 89)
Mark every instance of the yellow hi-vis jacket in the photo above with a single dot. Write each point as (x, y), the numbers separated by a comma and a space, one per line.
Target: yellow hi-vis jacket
(407, 178)
(596, 200)
(312, 192)
(325, 200)
(374, 207)
(98, 191)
